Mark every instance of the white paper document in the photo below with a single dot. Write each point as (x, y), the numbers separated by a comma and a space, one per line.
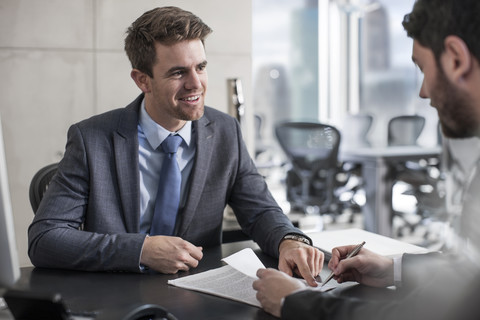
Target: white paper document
(233, 281)
(385, 246)
(245, 261)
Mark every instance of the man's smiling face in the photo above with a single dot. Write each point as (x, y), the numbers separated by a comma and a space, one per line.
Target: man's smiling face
(179, 84)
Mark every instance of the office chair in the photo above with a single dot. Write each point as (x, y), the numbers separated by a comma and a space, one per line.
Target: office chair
(355, 129)
(39, 184)
(420, 178)
(405, 130)
(312, 150)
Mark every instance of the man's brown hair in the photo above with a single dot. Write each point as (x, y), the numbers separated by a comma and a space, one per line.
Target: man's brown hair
(166, 25)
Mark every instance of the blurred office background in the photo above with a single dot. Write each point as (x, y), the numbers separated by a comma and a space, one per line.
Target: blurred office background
(310, 60)
(330, 60)
(321, 60)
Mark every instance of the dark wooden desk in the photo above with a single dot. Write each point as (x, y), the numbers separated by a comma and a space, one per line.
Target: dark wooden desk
(94, 291)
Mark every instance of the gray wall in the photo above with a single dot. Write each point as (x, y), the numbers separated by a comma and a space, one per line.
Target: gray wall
(63, 60)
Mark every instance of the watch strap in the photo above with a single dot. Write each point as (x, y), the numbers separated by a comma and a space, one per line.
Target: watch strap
(298, 237)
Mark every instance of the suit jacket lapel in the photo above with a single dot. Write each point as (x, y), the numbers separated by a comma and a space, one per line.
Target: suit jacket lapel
(125, 142)
(205, 137)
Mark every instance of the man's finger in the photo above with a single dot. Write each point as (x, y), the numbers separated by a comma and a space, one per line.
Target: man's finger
(283, 266)
(306, 274)
(261, 272)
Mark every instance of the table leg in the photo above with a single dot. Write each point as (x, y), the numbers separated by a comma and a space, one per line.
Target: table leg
(377, 210)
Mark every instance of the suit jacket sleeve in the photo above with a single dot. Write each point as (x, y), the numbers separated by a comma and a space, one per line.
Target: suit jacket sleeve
(311, 304)
(80, 223)
(436, 287)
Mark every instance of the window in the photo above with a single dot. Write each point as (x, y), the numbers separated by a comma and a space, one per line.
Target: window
(285, 61)
(369, 65)
(324, 59)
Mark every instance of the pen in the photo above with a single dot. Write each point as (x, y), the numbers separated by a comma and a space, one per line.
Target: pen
(351, 254)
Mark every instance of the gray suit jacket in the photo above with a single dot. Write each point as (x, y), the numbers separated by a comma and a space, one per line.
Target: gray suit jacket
(89, 217)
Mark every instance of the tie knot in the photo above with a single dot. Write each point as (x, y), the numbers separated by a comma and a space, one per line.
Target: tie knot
(171, 143)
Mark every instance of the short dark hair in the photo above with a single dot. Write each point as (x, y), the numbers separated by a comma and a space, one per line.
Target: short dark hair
(167, 25)
(431, 21)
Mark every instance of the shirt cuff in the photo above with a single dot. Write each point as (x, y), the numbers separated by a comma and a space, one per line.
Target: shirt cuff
(141, 267)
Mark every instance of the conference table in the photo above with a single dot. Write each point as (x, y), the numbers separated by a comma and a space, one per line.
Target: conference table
(91, 292)
(377, 164)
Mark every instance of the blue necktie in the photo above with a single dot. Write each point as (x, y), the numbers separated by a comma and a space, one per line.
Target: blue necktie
(168, 194)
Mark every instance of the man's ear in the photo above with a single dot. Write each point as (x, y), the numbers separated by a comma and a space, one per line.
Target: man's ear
(141, 79)
(456, 59)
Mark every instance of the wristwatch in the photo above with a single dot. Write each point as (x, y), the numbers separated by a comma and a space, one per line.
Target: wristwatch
(297, 237)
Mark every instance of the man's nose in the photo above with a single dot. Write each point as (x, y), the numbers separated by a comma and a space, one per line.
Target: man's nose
(193, 81)
(423, 94)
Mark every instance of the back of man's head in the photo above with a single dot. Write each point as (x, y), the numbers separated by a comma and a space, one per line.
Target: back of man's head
(166, 25)
(431, 21)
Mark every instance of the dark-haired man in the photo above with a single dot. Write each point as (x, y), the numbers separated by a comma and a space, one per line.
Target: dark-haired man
(446, 48)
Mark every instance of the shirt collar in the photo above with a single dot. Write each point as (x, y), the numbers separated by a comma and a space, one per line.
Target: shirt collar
(155, 133)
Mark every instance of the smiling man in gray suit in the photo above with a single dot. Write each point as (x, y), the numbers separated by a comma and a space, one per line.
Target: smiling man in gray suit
(98, 210)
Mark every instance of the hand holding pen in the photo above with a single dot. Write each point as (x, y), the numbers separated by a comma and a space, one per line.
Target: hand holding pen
(354, 263)
(351, 254)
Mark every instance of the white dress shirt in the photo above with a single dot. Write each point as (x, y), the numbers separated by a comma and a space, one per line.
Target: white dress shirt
(150, 136)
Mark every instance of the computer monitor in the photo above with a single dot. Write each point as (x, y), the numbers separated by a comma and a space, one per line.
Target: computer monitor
(9, 265)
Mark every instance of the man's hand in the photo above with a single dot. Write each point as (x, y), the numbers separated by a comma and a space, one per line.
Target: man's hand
(366, 267)
(169, 254)
(272, 286)
(299, 258)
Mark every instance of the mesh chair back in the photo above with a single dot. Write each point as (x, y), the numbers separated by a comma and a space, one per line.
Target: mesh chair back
(309, 146)
(355, 129)
(405, 130)
(39, 184)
